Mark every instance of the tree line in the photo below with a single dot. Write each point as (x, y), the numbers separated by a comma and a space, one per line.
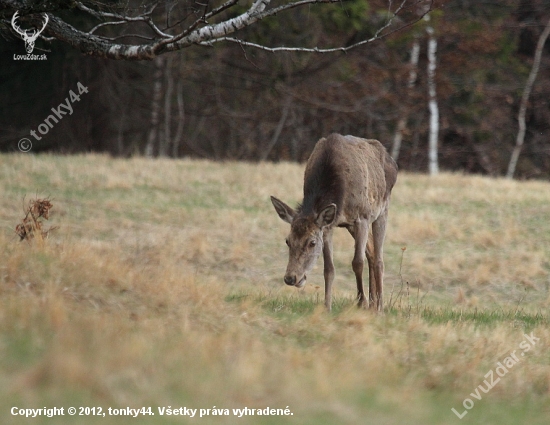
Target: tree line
(441, 84)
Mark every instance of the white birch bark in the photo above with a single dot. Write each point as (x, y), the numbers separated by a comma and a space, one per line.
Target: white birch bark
(520, 138)
(200, 32)
(432, 102)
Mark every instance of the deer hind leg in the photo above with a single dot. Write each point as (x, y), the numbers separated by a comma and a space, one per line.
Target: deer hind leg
(370, 259)
(328, 266)
(379, 234)
(361, 236)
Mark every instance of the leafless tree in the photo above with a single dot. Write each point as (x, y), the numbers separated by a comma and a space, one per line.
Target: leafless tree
(144, 30)
(402, 123)
(525, 99)
(432, 102)
(155, 107)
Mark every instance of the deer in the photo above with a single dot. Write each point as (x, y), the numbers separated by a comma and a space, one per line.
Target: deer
(29, 36)
(347, 183)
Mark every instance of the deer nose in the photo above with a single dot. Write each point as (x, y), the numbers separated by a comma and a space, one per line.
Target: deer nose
(290, 280)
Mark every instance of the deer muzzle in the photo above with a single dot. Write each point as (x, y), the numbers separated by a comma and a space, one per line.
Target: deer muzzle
(291, 280)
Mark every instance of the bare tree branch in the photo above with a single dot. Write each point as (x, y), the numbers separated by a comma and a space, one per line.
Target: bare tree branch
(197, 32)
(103, 24)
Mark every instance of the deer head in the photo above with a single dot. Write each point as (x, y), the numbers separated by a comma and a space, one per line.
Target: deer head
(29, 36)
(305, 241)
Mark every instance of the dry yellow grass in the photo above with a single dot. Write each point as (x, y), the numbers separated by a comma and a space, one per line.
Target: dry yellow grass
(163, 286)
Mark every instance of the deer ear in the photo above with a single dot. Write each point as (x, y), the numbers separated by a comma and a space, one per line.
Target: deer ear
(283, 210)
(327, 216)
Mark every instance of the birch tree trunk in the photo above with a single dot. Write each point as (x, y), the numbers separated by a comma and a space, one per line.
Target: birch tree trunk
(524, 99)
(402, 123)
(432, 102)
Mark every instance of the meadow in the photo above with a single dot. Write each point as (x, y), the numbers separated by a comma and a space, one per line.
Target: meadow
(161, 286)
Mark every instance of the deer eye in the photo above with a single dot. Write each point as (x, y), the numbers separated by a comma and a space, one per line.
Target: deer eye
(287, 242)
(312, 243)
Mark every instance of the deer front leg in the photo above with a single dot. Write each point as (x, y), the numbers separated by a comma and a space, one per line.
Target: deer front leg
(328, 267)
(361, 235)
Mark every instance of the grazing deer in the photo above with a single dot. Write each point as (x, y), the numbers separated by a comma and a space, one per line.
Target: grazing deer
(347, 183)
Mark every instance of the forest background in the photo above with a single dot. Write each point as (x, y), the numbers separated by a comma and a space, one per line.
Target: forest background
(230, 101)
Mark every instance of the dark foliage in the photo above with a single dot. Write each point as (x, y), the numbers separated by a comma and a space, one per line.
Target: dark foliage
(233, 102)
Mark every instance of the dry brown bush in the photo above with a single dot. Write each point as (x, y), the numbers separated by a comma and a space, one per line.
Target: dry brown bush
(31, 225)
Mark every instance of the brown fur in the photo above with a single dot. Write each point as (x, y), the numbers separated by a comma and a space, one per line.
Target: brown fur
(347, 183)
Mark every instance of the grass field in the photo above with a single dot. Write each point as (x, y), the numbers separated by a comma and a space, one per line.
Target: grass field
(162, 286)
